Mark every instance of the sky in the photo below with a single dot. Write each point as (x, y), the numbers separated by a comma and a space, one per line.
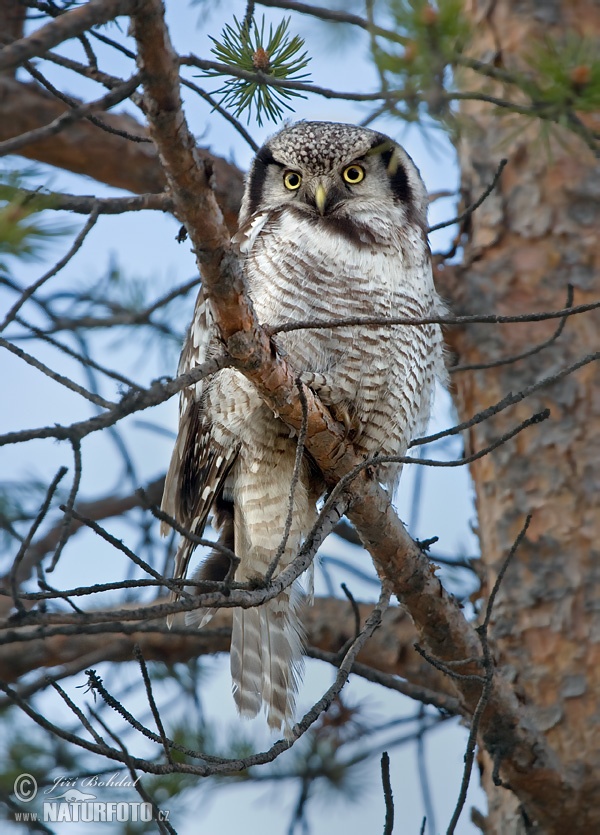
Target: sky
(144, 246)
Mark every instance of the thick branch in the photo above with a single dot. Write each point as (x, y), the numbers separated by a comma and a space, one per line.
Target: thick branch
(329, 625)
(114, 96)
(67, 26)
(86, 149)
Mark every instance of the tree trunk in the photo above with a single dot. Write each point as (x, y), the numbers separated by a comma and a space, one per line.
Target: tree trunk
(536, 234)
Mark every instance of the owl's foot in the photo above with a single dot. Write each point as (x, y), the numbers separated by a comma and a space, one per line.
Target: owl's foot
(337, 398)
(343, 414)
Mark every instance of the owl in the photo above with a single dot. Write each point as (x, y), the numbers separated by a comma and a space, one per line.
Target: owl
(332, 225)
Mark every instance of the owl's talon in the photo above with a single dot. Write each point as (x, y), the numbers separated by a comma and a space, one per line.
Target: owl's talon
(352, 425)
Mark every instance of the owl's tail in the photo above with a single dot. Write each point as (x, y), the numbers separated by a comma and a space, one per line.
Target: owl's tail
(267, 658)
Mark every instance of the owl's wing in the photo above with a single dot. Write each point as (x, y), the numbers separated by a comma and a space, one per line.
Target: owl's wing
(249, 231)
(199, 465)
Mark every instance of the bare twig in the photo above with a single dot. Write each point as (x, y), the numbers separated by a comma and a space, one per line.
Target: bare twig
(54, 375)
(355, 609)
(133, 401)
(68, 508)
(474, 206)
(475, 319)
(486, 691)
(14, 572)
(162, 824)
(11, 146)
(78, 713)
(28, 293)
(387, 794)
(224, 766)
(509, 400)
(160, 514)
(152, 702)
(336, 16)
(422, 766)
(85, 204)
(69, 25)
(84, 360)
(120, 546)
(478, 366)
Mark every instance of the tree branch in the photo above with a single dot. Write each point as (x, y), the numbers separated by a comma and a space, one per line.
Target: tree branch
(68, 25)
(329, 625)
(85, 149)
(61, 123)
(438, 619)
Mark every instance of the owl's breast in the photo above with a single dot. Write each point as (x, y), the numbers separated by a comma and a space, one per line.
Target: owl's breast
(299, 270)
(305, 272)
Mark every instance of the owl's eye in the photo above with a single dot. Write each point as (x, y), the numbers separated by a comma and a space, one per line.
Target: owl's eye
(353, 174)
(292, 180)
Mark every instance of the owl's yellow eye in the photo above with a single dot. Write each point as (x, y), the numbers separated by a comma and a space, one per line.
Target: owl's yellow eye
(353, 174)
(292, 180)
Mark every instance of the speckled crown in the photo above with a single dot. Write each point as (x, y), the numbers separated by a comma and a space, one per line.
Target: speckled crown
(321, 146)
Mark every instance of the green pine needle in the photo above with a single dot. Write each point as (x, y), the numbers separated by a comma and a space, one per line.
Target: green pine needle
(24, 229)
(278, 56)
(566, 74)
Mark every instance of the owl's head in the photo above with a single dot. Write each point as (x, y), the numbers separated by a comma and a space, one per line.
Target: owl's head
(331, 169)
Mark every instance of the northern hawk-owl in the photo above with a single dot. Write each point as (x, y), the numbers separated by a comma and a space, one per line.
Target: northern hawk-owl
(332, 224)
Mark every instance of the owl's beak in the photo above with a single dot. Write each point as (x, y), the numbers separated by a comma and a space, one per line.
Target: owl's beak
(320, 198)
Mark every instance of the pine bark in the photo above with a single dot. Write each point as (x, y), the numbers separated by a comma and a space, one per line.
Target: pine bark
(536, 235)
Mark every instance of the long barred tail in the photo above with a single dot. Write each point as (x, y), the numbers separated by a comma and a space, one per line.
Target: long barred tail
(267, 658)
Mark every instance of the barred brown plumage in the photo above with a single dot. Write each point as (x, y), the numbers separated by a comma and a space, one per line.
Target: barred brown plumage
(333, 223)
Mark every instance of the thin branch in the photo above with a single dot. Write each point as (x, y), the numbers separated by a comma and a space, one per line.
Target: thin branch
(14, 572)
(237, 594)
(68, 508)
(96, 399)
(85, 204)
(173, 523)
(225, 766)
(69, 25)
(28, 293)
(423, 776)
(75, 113)
(103, 508)
(152, 702)
(163, 825)
(120, 546)
(271, 81)
(507, 401)
(387, 794)
(84, 360)
(93, 73)
(222, 111)
(336, 16)
(545, 111)
(441, 701)
(478, 366)
(78, 713)
(486, 690)
(130, 403)
(475, 319)
(71, 102)
(474, 206)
